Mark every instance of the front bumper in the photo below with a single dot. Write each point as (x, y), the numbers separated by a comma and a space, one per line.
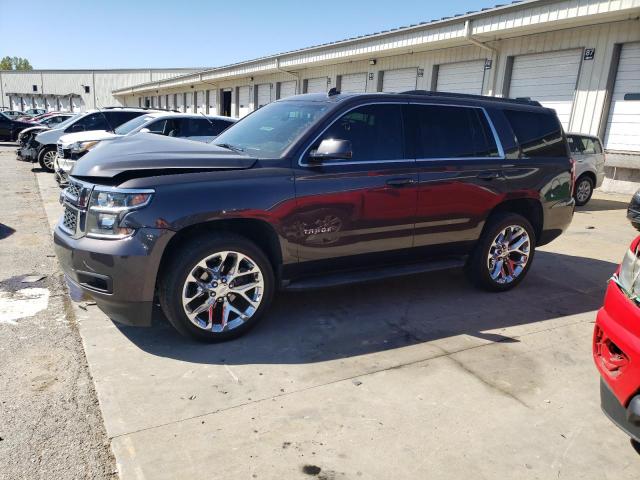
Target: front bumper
(119, 275)
(616, 352)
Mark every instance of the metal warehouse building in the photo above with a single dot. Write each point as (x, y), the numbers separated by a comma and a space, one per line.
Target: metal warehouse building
(73, 90)
(581, 57)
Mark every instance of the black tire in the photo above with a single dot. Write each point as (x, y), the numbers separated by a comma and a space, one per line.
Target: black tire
(185, 258)
(42, 160)
(477, 267)
(582, 197)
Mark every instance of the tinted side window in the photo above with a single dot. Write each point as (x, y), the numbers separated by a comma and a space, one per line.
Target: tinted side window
(375, 132)
(157, 127)
(219, 126)
(539, 134)
(94, 121)
(195, 127)
(438, 131)
(118, 118)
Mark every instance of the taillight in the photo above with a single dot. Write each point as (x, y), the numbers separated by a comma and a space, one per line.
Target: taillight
(573, 174)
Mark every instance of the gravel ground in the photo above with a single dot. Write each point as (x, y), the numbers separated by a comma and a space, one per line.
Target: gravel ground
(50, 421)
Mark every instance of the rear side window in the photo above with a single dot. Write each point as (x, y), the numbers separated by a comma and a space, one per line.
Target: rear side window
(439, 131)
(218, 126)
(118, 118)
(375, 132)
(583, 145)
(539, 134)
(157, 127)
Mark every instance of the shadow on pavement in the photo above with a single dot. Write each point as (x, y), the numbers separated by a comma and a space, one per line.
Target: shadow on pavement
(334, 323)
(600, 204)
(5, 231)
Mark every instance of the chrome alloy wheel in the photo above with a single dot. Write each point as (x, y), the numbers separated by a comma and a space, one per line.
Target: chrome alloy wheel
(222, 291)
(49, 158)
(583, 191)
(508, 254)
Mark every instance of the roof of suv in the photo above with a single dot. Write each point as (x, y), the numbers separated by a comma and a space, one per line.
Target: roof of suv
(337, 97)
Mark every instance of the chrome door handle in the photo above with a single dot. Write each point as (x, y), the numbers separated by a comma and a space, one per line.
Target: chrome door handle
(400, 182)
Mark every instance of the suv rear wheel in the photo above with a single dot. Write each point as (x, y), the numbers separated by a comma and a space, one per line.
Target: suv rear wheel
(217, 287)
(503, 255)
(46, 158)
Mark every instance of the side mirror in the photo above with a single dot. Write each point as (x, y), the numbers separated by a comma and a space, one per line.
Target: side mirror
(331, 149)
(144, 130)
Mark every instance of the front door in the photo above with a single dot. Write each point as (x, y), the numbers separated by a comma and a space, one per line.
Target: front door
(363, 205)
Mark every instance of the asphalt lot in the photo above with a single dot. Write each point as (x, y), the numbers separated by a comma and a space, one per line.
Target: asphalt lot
(419, 377)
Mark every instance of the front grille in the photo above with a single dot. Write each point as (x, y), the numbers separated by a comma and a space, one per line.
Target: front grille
(70, 220)
(74, 190)
(60, 152)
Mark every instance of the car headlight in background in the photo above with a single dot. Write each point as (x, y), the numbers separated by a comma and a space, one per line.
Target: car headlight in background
(108, 207)
(629, 274)
(83, 147)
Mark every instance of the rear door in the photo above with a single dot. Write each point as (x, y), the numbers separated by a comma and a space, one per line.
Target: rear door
(363, 205)
(460, 165)
(5, 127)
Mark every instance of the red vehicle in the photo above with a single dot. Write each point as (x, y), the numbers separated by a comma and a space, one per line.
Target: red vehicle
(616, 345)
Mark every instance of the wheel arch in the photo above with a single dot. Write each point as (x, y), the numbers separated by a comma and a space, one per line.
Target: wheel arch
(589, 174)
(259, 232)
(529, 208)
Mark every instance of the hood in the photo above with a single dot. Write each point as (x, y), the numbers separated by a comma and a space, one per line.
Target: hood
(34, 129)
(91, 135)
(151, 154)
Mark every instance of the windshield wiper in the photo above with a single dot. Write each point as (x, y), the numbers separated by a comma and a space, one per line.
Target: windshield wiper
(228, 146)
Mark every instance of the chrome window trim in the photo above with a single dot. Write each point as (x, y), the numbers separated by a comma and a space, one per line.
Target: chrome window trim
(500, 156)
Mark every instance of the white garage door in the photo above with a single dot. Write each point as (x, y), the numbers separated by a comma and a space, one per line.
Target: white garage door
(287, 89)
(244, 107)
(354, 82)
(461, 77)
(180, 102)
(188, 107)
(64, 104)
(201, 102)
(399, 80)
(317, 85)
(264, 94)
(549, 78)
(623, 126)
(212, 102)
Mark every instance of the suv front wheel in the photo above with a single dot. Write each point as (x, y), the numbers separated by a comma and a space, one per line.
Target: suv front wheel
(216, 287)
(503, 255)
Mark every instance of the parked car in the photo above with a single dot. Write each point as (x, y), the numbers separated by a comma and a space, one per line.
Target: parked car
(27, 149)
(633, 210)
(616, 346)
(13, 114)
(310, 191)
(589, 156)
(73, 146)
(10, 128)
(35, 111)
(106, 119)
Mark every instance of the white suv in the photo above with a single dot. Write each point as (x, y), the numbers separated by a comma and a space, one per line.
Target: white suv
(199, 128)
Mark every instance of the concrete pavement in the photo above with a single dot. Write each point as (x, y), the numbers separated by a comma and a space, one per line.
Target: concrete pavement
(419, 377)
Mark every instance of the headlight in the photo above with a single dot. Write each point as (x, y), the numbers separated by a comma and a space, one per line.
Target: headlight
(83, 147)
(108, 207)
(627, 278)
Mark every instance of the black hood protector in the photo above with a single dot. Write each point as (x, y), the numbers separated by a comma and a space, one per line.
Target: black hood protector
(150, 154)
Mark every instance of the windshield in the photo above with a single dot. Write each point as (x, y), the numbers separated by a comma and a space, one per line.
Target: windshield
(269, 131)
(131, 125)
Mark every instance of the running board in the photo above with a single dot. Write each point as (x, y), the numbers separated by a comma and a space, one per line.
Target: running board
(372, 275)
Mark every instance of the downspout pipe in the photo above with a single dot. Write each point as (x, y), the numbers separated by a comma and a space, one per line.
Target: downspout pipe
(494, 51)
(297, 76)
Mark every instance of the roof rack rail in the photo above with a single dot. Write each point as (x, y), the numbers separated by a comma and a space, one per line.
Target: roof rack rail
(519, 100)
(143, 108)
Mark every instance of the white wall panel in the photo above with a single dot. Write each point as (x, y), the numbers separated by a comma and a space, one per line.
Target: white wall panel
(317, 85)
(400, 80)
(244, 101)
(354, 82)
(549, 78)
(287, 89)
(263, 94)
(461, 77)
(213, 106)
(623, 125)
(188, 107)
(180, 102)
